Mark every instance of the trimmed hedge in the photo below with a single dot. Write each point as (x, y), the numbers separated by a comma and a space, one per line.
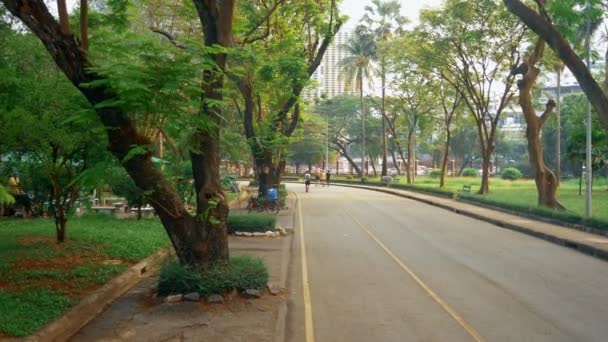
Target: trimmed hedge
(254, 222)
(470, 172)
(242, 273)
(511, 173)
(435, 173)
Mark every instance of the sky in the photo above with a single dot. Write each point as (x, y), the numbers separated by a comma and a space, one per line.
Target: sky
(409, 8)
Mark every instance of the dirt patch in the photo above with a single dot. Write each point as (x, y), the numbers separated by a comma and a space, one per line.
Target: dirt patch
(64, 263)
(33, 240)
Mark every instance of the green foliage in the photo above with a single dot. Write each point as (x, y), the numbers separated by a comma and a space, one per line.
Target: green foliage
(470, 172)
(243, 272)
(227, 182)
(435, 173)
(122, 185)
(253, 222)
(511, 173)
(23, 313)
(363, 179)
(5, 197)
(349, 177)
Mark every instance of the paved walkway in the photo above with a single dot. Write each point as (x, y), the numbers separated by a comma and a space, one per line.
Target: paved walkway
(587, 243)
(137, 316)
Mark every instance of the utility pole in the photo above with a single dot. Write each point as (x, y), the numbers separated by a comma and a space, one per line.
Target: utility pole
(558, 149)
(327, 140)
(588, 123)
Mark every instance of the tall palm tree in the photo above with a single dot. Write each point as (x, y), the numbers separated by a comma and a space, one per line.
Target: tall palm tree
(361, 48)
(384, 20)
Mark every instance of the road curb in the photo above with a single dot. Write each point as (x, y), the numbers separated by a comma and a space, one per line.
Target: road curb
(64, 327)
(281, 322)
(565, 242)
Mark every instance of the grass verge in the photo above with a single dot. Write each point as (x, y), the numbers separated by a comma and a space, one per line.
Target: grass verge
(40, 279)
(519, 196)
(242, 273)
(253, 222)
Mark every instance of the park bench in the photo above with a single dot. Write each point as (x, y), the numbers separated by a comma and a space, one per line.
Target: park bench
(387, 180)
(466, 188)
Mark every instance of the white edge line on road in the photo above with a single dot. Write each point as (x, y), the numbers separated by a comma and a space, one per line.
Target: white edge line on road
(310, 333)
(468, 327)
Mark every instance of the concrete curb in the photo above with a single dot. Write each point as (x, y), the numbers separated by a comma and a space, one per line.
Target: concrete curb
(281, 322)
(91, 306)
(565, 242)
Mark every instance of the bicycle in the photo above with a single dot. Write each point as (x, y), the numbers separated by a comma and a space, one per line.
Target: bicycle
(260, 204)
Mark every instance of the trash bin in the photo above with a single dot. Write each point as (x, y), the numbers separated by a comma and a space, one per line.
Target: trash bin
(272, 194)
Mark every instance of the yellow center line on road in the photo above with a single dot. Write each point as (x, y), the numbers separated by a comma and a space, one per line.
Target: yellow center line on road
(310, 332)
(468, 327)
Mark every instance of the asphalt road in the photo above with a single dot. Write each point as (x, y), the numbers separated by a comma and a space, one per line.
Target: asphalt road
(384, 268)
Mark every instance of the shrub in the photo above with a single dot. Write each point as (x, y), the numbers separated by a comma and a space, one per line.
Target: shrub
(511, 173)
(349, 177)
(435, 173)
(363, 179)
(525, 168)
(470, 172)
(227, 181)
(243, 272)
(250, 222)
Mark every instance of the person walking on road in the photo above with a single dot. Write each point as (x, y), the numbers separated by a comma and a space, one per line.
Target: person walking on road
(307, 179)
(327, 176)
(317, 177)
(322, 178)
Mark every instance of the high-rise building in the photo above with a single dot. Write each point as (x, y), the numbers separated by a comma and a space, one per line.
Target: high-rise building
(327, 80)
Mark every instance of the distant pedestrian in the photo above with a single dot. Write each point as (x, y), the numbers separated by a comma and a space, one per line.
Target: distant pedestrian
(307, 179)
(322, 178)
(327, 177)
(317, 177)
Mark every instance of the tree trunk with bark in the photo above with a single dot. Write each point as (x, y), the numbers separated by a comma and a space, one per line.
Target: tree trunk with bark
(342, 150)
(410, 158)
(371, 159)
(446, 153)
(198, 240)
(545, 30)
(395, 162)
(545, 179)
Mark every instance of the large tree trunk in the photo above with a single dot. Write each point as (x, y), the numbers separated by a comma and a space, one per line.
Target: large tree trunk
(395, 162)
(545, 30)
(60, 226)
(444, 163)
(402, 156)
(199, 241)
(355, 167)
(546, 182)
(84, 25)
(383, 100)
(371, 159)
(410, 153)
(486, 154)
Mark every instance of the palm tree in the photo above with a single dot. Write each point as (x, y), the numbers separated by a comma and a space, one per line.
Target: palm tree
(384, 20)
(361, 48)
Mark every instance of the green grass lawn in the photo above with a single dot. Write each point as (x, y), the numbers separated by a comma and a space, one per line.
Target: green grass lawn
(40, 279)
(521, 193)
